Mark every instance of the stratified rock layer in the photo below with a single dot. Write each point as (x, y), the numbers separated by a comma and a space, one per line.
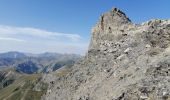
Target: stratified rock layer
(124, 62)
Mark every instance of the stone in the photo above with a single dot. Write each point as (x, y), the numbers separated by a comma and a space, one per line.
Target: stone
(164, 93)
(147, 46)
(144, 97)
(127, 50)
(120, 57)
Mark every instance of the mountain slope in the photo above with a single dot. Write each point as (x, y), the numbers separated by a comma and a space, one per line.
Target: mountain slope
(125, 61)
(23, 86)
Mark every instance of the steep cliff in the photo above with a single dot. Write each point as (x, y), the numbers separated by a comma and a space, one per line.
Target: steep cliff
(125, 61)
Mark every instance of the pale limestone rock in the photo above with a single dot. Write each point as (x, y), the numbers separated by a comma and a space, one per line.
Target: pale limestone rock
(127, 50)
(147, 46)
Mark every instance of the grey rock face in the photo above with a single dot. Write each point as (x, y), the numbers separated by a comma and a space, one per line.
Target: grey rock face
(124, 62)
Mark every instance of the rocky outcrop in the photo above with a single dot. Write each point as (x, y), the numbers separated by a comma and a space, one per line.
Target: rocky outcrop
(125, 61)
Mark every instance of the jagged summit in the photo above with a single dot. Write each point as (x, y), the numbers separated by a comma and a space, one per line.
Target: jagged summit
(116, 11)
(110, 25)
(115, 18)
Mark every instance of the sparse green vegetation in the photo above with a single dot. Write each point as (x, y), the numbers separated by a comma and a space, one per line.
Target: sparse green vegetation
(62, 72)
(16, 96)
(23, 88)
(34, 95)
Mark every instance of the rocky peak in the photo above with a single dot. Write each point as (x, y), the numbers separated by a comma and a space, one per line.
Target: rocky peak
(110, 25)
(113, 18)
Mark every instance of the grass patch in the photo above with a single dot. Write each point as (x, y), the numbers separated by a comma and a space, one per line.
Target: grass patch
(34, 95)
(62, 72)
(16, 96)
(22, 87)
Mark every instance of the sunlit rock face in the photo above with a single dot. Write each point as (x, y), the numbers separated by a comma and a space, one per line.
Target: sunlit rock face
(110, 25)
(125, 61)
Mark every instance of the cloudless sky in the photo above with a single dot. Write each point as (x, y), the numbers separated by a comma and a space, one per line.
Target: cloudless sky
(71, 17)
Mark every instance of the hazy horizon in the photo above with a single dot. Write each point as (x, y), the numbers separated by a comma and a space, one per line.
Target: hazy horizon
(39, 52)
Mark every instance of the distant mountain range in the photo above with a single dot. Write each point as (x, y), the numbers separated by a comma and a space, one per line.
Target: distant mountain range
(36, 63)
(15, 54)
(12, 55)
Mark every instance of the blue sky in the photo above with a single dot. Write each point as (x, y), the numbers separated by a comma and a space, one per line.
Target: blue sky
(64, 26)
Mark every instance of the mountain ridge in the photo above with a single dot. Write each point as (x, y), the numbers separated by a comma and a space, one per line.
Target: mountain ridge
(36, 63)
(125, 61)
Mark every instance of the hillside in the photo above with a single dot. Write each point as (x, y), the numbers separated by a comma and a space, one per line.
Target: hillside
(125, 61)
(21, 76)
(23, 86)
